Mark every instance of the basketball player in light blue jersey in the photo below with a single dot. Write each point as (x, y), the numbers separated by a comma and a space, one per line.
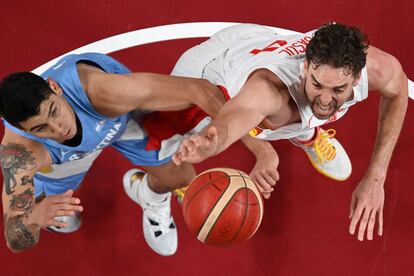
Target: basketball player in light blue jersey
(58, 123)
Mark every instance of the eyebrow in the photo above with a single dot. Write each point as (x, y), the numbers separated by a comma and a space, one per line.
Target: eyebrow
(48, 115)
(337, 87)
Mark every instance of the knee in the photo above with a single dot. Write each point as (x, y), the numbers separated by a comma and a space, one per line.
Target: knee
(171, 177)
(180, 176)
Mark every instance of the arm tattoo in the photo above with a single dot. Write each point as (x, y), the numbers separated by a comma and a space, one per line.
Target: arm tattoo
(22, 202)
(18, 236)
(40, 197)
(26, 180)
(13, 158)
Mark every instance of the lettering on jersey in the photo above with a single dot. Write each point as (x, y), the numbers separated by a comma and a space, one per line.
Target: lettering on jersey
(74, 157)
(270, 48)
(108, 137)
(99, 125)
(78, 155)
(63, 153)
(105, 141)
(297, 47)
(292, 49)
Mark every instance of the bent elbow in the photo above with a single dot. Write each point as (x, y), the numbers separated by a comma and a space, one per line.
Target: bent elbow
(19, 245)
(14, 247)
(18, 237)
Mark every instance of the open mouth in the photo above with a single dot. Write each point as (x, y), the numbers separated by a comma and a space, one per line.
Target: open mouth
(323, 111)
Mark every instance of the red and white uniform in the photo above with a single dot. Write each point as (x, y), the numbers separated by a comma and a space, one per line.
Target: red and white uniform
(231, 55)
(227, 59)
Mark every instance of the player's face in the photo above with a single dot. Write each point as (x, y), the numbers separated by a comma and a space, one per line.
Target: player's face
(56, 119)
(327, 88)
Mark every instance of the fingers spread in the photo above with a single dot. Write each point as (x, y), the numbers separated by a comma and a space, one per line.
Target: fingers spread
(352, 206)
(355, 218)
(371, 224)
(363, 224)
(57, 199)
(380, 222)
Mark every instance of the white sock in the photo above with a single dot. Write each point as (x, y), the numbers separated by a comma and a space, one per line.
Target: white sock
(308, 135)
(148, 194)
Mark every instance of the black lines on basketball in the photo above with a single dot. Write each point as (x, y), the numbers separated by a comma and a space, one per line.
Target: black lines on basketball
(227, 224)
(215, 186)
(200, 189)
(246, 193)
(218, 200)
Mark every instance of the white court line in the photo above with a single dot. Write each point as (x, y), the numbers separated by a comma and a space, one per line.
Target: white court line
(161, 33)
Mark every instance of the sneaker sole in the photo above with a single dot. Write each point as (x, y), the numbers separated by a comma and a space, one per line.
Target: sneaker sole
(319, 170)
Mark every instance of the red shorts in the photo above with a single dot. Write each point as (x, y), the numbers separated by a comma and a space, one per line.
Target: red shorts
(162, 125)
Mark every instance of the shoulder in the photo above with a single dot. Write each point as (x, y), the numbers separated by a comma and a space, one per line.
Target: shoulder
(87, 73)
(266, 91)
(384, 70)
(24, 149)
(97, 84)
(270, 84)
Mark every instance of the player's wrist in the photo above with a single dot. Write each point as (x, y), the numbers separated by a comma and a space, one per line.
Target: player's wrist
(31, 222)
(264, 150)
(376, 175)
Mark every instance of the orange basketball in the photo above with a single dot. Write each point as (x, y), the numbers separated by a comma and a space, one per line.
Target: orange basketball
(222, 207)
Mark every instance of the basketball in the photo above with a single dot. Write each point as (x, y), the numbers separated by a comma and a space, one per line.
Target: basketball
(222, 207)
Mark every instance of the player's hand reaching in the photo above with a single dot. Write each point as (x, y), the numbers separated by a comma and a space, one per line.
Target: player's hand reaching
(197, 147)
(265, 173)
(367, 206)
(45, 212)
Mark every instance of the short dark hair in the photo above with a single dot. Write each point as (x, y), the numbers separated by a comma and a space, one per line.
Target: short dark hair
(339, 46)
(21, 95)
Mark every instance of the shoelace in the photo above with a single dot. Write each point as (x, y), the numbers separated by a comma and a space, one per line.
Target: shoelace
(161, 214)
(179, 193)
(324, 150)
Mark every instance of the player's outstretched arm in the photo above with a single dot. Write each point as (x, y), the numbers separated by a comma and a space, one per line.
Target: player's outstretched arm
(257, 99)
(114, 94)
(264, 172)
(385, 75)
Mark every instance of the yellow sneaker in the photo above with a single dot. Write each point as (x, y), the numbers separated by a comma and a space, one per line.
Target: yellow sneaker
(326, 154)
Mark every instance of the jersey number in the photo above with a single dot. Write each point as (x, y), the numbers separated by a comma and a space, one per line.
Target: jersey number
(270, 48)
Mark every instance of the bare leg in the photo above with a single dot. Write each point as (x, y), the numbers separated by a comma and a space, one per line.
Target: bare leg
(152, 192)
(168, 177)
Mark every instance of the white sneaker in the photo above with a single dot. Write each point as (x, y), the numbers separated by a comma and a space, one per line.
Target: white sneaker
(160, 231)
(326, 154)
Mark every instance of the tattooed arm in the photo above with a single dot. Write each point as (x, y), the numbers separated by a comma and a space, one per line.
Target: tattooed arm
(18, 167)
(23, 215)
